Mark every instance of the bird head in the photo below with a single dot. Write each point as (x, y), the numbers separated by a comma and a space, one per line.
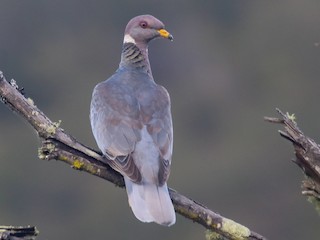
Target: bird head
(144, 28)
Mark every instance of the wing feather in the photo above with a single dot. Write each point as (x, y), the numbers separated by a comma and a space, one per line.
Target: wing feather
(114, 117)
(157, 116)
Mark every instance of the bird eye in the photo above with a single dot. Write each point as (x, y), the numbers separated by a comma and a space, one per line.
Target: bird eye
(143, 25)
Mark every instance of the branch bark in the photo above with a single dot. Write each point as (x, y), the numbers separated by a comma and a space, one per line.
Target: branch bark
(307, 153)
(56, 144)
(18, 233)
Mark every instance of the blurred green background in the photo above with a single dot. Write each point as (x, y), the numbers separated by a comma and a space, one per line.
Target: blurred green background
(231, 63)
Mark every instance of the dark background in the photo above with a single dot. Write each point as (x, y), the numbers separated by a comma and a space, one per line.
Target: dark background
(231, 63)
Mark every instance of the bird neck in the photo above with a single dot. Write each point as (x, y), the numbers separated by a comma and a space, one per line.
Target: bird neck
(134, 56)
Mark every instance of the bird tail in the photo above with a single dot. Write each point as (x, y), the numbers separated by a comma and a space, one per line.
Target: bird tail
(151, 203)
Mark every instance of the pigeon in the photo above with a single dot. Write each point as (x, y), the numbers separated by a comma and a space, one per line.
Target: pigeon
(131, 121)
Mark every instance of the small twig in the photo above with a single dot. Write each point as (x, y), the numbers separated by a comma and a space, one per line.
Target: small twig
(63, 147)
(274, 120)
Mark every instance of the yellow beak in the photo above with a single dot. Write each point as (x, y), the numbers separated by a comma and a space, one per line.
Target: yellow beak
(164, 33)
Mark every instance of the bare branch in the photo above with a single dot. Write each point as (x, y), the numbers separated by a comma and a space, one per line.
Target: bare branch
(307, 153)
(18, 233)
(63, 147)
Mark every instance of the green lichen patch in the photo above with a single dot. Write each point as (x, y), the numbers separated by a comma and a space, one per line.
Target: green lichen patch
(77, 164)
(91, 169)
(291, 117)
(45, 151)
(211, 235)
(35, 113)
(236, 230)
(51, 129)
(57, 124)
(316, 203)
(30, 101)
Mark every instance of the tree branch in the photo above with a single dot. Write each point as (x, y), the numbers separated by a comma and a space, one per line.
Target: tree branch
(307, 153)
(18, 233)
(61, 146)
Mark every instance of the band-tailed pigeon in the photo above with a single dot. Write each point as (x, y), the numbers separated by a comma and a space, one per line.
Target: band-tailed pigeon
(131, 121)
